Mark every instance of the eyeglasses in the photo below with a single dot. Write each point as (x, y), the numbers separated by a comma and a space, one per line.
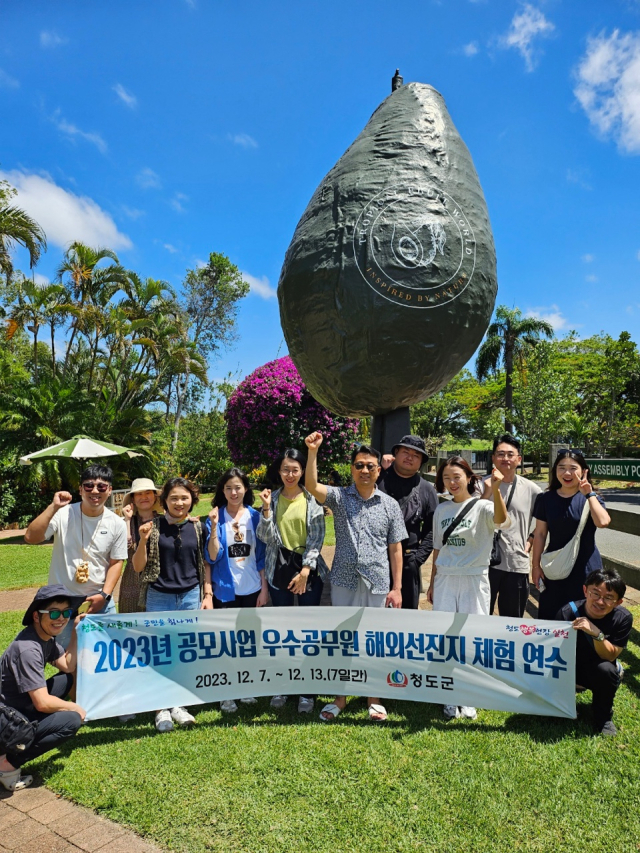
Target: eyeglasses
(595, 595)
(237, 533)
(502, 455)
(101, 487)
(370, 466)
(293, 471)
(56, 614)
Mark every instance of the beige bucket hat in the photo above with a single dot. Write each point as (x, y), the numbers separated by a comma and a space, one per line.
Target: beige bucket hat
(141, 484)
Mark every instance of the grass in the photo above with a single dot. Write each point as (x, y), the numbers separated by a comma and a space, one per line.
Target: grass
(23, 565)
(264, 781)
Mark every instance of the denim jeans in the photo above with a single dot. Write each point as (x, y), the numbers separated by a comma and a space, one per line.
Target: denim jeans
(157, 601)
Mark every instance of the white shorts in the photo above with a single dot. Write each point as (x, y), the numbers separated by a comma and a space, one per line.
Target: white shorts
(462, 593)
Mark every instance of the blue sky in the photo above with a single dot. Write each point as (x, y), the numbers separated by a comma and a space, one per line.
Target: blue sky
(168, 129)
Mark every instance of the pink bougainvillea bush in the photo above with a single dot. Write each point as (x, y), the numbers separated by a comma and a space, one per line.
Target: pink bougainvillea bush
(271, 410)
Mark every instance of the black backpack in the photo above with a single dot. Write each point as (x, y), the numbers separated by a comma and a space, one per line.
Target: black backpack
(16, 732)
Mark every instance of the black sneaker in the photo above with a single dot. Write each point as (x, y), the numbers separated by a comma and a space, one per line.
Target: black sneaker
(608, 729)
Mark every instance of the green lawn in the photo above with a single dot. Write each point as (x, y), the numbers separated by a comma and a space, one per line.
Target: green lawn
(264, 781)
(24, 565)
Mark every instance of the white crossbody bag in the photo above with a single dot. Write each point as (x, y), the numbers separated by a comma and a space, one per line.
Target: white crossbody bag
(557, 565)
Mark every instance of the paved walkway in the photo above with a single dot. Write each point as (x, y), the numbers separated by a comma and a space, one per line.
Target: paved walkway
(37, 821)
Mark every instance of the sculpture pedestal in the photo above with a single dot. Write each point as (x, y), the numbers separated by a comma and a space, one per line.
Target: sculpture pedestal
(387, 430)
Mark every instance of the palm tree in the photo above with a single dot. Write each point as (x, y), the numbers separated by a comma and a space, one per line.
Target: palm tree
(92, 285)
(18, 227)
(508, 338)
(38, 305)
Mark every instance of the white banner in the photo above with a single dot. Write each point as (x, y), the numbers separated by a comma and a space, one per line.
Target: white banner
(146, 661)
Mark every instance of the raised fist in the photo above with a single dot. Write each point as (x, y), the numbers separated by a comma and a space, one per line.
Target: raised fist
(61, 499)
(145, 531)
(314, 440)
(265, 497)
(213, 516)
(496, 478)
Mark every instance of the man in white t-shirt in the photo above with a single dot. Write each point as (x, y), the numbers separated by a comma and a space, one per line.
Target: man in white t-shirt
(509, 578)
(89, 540)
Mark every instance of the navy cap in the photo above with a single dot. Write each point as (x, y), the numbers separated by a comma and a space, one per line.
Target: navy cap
(412, 442)
(52, 592)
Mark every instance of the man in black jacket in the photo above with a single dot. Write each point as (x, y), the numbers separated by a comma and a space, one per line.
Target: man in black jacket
(401, 480)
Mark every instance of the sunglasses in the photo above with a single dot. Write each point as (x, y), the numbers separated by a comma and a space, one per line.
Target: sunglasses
(101, 487)
(568, 451)
(56, 614)
(370, 466)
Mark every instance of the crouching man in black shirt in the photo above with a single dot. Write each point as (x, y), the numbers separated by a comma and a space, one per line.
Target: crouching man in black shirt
(604, 627)
(23, 683)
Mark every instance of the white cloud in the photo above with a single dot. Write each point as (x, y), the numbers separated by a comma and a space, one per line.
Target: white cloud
(527, 25)
(73, 132)
(260, 286)
(591, 278)
(608, 87)
(552, 314)
(243, 140)
(588, 259)
(176, 202)
(148, 179)
(132, 212)
(7, 81)
(579, 178)
(170, 248)
(126, 97)
(50, 38)
(64, 216)
(41, 280)
(470, 49)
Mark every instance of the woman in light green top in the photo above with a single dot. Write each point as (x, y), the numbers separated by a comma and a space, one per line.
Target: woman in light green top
(292, 518)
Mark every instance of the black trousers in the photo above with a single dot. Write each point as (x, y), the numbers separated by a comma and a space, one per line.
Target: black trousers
(52, 729)
(603, 680)
(239, 601)
(512, 591)
(410, 582)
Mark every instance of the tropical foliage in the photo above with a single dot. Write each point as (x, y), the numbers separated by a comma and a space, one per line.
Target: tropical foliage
(271, 409)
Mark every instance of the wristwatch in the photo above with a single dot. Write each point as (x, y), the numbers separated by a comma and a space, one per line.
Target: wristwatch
(107, 598)
(600, 637)
(591, 495)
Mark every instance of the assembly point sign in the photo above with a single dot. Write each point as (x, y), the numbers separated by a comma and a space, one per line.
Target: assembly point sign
(615, 469)
(143, 661)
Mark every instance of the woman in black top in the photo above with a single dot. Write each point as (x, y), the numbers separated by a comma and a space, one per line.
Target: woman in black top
(175, 575)
(558, 513)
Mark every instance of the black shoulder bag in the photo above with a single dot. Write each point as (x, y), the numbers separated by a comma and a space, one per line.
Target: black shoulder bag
(496, 556)
(16, 732)
(456, 521)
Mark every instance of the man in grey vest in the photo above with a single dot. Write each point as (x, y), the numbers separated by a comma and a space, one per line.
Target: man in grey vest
(509, 573)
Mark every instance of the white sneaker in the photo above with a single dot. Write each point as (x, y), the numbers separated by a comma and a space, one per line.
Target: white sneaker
(468, 712)
(305, 705)
(278, 701)
(182, 717)
(164, 723)
(229, 706)
(451, 712)
(249, 700)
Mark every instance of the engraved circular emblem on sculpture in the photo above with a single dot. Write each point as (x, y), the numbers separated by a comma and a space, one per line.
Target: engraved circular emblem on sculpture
(415, 246)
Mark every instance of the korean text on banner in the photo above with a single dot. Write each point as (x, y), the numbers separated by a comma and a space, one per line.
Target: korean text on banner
(145, 661)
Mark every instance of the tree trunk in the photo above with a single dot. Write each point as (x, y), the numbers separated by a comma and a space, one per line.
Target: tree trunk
(176, 423)
(53, 349)
(35, 352)
(508, 388)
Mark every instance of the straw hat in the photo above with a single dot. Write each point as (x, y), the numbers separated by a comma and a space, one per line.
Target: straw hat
(141, 484)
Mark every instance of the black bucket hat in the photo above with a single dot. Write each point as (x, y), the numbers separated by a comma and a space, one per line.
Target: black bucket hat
(412, 442)
(53, 592)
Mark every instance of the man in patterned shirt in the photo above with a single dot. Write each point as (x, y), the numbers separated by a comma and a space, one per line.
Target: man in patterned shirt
(369, 529)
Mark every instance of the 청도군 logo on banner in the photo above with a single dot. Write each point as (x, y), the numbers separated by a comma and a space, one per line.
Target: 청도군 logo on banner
(414, 246)
(397, 679)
